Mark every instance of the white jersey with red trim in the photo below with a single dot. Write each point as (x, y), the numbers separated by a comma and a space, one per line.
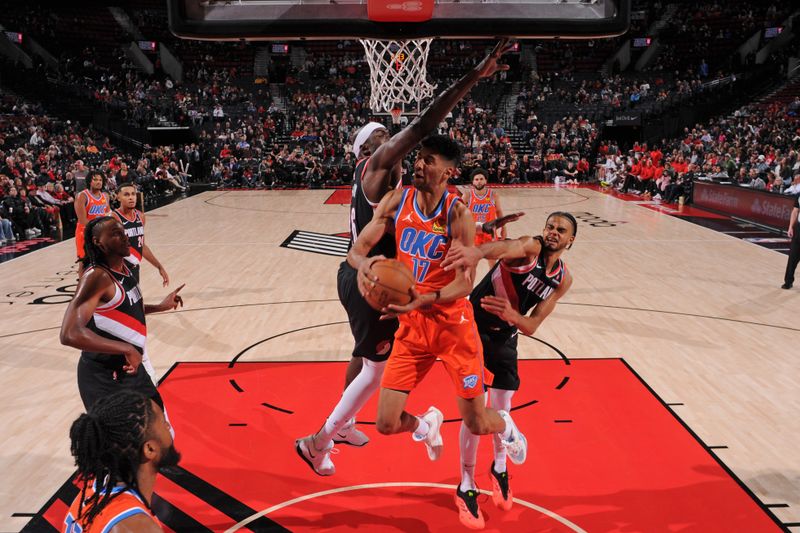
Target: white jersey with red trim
(122, 318)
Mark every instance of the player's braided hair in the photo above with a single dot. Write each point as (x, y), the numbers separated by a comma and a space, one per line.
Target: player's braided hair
(107, 446)
(92, 254)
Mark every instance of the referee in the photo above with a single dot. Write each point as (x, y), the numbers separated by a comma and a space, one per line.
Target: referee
(794, 250)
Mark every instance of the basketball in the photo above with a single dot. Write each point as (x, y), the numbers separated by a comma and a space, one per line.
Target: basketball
(394, 284)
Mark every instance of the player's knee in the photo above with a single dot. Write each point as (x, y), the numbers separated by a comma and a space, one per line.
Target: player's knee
(387, 426)
(477, 425)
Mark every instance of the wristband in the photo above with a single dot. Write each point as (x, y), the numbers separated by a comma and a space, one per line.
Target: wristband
(438, 296)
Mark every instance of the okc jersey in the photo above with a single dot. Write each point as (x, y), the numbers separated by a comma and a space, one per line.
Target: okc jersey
(422, 242)
(361, 211)
(124, 503)
(134, 229)
(95, 207)
(120, 319)
(483, 208)
(523, 286)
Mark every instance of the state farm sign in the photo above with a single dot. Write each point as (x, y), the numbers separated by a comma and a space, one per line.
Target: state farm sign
(759, 206)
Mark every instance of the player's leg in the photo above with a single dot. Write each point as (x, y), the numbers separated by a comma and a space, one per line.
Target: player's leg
(353, 368)
(405, 369)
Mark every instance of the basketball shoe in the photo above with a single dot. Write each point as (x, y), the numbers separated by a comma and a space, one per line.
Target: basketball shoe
(319, 460)
(468, 511)
(516, 444)
(433, 440)
(351, 435)
(501, 492)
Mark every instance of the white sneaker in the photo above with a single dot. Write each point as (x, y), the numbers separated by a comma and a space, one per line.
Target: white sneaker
(516, 444)
(319, 460)
(351, 435)
(657, 197)
(433, 440)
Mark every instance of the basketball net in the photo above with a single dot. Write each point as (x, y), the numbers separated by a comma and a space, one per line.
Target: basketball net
(396, 112)
(398, 72)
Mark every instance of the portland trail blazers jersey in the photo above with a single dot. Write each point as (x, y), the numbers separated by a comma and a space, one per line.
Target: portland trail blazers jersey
(422, 242)
(124, 503)
(361, 211)
(120, 319)
(523, 286)
(134, 229)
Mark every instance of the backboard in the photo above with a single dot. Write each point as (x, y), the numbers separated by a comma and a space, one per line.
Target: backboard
(396, 19)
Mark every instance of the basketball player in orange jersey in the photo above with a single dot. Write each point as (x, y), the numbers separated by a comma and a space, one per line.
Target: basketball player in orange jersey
(132, 221)
(530, 277)
(106, 319)
(119, 447)
(90, 203)
(438, 322)
(377, 172)
(484, 204)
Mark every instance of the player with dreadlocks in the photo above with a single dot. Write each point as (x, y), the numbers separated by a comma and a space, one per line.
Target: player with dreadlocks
(119, 446)
(106, 319)
(530, 276)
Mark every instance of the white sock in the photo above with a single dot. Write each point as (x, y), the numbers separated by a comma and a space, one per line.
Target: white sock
(500, 400)
(353, 399)
(422, 429)
(468, 444)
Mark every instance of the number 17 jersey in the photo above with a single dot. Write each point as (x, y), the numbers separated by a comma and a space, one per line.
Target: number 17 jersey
(423, 241)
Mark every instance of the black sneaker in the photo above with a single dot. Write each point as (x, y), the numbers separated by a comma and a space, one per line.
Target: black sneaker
(786, 286)
(501, 492)
(468, 511)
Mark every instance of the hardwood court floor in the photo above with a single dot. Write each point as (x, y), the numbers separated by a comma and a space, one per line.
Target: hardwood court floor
(698, 314)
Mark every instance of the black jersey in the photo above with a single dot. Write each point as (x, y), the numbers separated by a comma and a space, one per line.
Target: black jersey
(120, 319)
(523, 286)
(134, 229)
(361, 211)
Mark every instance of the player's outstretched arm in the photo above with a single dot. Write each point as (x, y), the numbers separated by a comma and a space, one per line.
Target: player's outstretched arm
(171, 301)
(93, 287)
(395, 149)
(500, 222)
(382, 222)
(463, 256)
(527, 324)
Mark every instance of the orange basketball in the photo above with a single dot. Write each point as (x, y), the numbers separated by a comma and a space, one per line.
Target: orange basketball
(393, 286)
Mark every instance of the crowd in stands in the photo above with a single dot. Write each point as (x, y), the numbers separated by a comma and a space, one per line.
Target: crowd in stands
(754, 147)
(44, 162)
(251, 133)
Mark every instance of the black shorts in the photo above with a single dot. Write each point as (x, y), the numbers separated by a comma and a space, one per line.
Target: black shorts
(98, 379)
(373, 337)
(500, 358)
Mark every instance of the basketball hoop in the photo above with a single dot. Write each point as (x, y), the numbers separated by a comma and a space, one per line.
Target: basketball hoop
(396, 112)
(398, 73)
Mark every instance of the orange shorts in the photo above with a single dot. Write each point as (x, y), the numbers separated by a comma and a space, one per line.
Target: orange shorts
(444, 331)
(79, 239)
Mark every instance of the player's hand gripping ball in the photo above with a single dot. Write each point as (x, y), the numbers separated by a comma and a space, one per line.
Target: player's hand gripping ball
(394, 284)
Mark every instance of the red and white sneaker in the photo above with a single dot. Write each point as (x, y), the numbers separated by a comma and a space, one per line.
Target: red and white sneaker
(469, 514)
(501, 492)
